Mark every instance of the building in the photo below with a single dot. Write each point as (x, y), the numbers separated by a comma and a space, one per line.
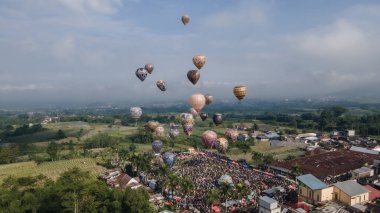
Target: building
(350, 192)
(313, 190)
(363, 150)
(362, 172)
(349, 133)
(117, 179)
(268, 205)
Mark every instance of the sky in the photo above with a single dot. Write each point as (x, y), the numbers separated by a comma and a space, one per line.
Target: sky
(83, 51)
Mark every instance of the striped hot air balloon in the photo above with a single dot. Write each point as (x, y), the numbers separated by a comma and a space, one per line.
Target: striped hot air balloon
(240, 91)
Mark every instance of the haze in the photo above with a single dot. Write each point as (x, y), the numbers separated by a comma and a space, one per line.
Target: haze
(82, 51)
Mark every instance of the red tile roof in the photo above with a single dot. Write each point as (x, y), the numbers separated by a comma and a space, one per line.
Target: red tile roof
(374, 193)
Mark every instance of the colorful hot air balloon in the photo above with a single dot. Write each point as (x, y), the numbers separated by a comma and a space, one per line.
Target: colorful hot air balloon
(173, 133)
(141, 73)
(197, 101)
(149, 68)
(136, 112)
(209, 138)
(152, 125)
(185, 19)
(240, 92)
(187, 118)
(157, 146)
(209, 99)
(161, 84)
(187, 128)
(169, 159)
(231, 134)
(160, 131)
(199, 61)
(225, 179)
(217, 118)
(193, 112)
(203, 116)
(193, 76)
(222, 145)
(243, 137)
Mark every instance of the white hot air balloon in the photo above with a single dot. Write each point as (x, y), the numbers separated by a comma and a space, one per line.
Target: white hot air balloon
(197, 101)
(136, 113)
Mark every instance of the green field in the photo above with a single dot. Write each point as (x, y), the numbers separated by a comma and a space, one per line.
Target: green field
(50, 169)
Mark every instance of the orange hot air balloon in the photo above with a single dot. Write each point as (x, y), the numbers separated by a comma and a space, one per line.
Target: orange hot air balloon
(197, 101)
(185, 19)
(149, 68)
(199, 61)
(240, 91)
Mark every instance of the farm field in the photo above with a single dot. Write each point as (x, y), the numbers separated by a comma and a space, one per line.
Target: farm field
(50, 169)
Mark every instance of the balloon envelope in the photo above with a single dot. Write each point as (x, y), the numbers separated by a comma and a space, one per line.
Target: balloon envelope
(149, 68)
(136, 112)
(240, 92)
(225, 179)
(169, 159)
(161, 84)
(193, 112)
(157, 146)
(203, 116)
(231, 134)
(193, 76)
(187, 118)
(209, 138)
(141, 73)
(217, 118)
(160, 131)
(199, 61)
(209, 99)
(187, 129)
(222, 145)
(173, 133)
(185, 19)
(152, 125)
(197, 101)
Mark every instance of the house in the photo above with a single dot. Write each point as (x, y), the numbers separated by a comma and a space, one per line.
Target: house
(313, 190)
(362, 172)
(116, 178)
(268, 205)
(350, 192)
(349, 133)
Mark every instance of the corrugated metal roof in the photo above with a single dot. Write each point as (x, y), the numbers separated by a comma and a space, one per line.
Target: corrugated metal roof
(268, 199)
(363, 150)
(351, 187)
(312, 182)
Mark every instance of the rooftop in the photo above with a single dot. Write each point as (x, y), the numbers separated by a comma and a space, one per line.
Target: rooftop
(268, 199)
(351, 187)
(364, 150)
(311, 181)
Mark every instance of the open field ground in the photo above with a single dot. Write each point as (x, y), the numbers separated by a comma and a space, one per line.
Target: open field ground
(50, 169)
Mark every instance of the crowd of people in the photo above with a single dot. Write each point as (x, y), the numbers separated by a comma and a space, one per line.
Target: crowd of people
(205, 169)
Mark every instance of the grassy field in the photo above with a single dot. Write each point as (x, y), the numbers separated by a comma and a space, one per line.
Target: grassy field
(49, 169)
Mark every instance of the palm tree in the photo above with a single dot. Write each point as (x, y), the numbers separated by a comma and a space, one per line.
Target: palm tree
(187, 187)
(212, 196)
(226, 190)
(172, 182)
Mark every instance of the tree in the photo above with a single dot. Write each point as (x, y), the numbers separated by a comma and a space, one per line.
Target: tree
(136, 200)
(296, 170)
(187, 187)
(226, 190)
(268, 159)
(52, 150)
(257, 157)
(211, 197)
(244, 146)
(60, 134)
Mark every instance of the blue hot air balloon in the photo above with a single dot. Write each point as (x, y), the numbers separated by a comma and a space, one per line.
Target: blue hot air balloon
(169, 159)
(157, 146)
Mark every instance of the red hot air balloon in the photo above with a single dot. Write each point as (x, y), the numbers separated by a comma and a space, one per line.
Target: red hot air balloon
(231, 134)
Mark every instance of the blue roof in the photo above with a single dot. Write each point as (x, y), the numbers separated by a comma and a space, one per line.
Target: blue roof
(312, 182)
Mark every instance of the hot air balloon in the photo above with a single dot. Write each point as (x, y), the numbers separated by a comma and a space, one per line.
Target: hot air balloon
(149, 68)
(185, 19)
(197, 101)
(222, 145)
(243, 137)
(209, 138)
(136, 113)
(193, 112)
(209, 99)
(231, 134)
(173, 133)
(240, 92)
(160, 131)
(217, 118)
(161, 84)
(193, 76)
(203, 116)
(141, 73)
(199, 61)
(169, 159)
(187, 118)
(157, 146)
(152, 125)
(187, 128)
(225, 179)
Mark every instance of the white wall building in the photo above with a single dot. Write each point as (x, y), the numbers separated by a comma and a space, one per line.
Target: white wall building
(268, 205)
